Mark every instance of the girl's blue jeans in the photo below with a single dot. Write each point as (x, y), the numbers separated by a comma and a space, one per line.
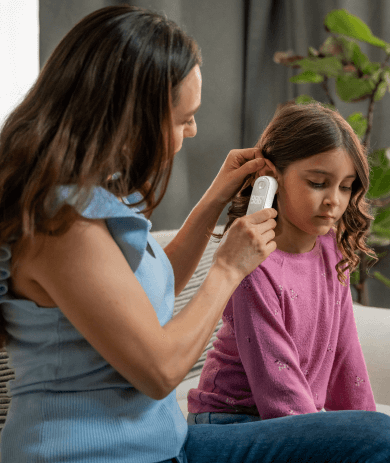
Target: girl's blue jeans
(352, 436)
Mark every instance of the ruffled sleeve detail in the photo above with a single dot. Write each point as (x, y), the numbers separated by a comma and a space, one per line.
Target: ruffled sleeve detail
(5, 264)
(127, 224)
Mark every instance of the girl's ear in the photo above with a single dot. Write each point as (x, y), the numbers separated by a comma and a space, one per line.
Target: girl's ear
(269, 170)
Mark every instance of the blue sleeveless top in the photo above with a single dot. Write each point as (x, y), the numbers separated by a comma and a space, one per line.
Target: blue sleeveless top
(68, 403)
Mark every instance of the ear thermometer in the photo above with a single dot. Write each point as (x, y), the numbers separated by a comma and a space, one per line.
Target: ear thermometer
(262, 195)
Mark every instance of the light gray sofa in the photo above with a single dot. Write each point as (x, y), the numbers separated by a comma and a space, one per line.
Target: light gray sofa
(373, 326)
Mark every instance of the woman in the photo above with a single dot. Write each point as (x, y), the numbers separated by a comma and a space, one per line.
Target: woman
(88, 315)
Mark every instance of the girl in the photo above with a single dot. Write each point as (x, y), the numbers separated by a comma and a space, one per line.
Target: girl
(289, 344)
(88, 312)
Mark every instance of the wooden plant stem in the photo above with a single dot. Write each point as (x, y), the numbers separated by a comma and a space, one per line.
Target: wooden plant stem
(370, 118)
(324, 85)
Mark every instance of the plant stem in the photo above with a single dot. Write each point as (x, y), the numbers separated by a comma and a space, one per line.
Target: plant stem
(370, 114)
(361, 287)
(370, 118)
(380, 202)
(326, 89)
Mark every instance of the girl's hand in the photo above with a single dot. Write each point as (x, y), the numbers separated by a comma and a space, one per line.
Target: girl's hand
(247, 243)
(238, 165)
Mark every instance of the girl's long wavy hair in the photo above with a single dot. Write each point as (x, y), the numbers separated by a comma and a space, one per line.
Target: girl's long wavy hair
(298, 132)
(100, 106)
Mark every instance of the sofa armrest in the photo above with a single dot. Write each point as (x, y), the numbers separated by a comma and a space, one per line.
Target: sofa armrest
(373, 326)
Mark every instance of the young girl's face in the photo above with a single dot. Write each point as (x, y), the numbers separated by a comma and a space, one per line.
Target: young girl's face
(313, 195)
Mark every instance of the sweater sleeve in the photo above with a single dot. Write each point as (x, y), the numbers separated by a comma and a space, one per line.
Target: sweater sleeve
(349, 386)
(267, 351)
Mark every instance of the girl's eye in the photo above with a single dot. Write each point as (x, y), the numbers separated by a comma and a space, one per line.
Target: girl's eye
(317, 185)
(190, 122)
(321, 185)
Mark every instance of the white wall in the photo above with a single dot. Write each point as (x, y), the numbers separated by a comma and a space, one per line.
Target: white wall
(19, 51)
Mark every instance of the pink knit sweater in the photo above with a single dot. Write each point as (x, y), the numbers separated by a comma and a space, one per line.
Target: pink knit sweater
(288, 344)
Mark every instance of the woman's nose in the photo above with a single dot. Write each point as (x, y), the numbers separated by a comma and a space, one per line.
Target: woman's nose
(191, 131)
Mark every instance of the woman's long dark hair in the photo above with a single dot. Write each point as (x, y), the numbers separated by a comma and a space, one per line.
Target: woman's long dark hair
(298, 132)
(100, 106)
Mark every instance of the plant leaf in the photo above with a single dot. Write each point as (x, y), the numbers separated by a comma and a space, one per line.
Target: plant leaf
(349, 87)
(386, 76)
(381, 278)
(380, 93)
(382, 220)
(371, 67)
(380, 174)
(342, 22)
(307, 77)
(304, 99)
(354, 54)
(329, 66)
(287, 58)
(381, 232)
(355, 277)
(332, 47)
(359, 123)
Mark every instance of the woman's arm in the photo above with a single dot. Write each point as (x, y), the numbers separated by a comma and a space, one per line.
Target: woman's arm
(186, 249)
(88, 277)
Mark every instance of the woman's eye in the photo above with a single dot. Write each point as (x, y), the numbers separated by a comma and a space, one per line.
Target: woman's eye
(190, 122)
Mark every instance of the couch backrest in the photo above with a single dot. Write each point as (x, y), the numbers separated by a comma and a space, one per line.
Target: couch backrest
(163, 238)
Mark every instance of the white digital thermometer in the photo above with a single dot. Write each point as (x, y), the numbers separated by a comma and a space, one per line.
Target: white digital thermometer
(262, 195)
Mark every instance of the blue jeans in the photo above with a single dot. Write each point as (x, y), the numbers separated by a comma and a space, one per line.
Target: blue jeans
(333, 437)
(220, 418)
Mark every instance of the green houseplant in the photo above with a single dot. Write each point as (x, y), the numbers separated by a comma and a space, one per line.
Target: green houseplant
(341, 63)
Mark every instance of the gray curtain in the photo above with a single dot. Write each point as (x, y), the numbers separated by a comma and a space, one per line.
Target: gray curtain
(281, 25)
(241, 84)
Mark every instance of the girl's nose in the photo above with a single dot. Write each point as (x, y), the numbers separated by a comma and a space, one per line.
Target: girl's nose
(332, 198)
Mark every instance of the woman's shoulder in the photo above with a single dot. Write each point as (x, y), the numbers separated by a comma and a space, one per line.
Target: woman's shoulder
(27, 260)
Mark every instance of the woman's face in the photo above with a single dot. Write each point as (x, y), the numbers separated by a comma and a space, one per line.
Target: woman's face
(183, 120)
(313, 188)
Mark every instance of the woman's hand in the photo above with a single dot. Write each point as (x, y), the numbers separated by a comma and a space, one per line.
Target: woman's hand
(238, 165)
(247, 243)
